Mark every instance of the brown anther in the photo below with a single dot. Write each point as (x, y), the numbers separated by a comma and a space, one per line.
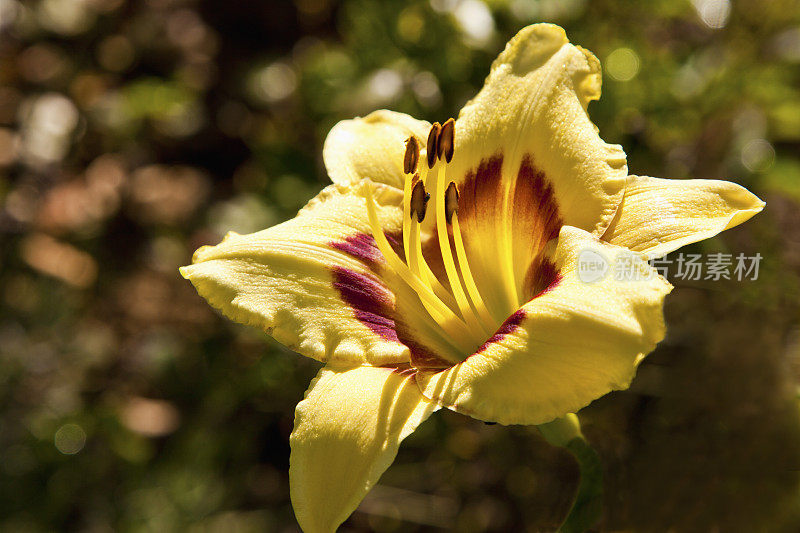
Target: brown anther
(446, 146)
(450, 202)
(419, 199)
(411, 159)
(433, 143)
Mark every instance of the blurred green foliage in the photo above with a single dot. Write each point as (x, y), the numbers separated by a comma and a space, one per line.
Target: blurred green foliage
(133, 132)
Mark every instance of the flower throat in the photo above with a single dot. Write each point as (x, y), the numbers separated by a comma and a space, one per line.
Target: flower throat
(460, 311)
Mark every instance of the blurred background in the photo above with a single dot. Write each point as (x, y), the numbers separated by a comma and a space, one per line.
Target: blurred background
(133, 132)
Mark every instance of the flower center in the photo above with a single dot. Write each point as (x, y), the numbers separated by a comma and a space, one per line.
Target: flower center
(458, 308)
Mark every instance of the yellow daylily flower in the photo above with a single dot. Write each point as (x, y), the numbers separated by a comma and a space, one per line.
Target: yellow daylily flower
(439, 269)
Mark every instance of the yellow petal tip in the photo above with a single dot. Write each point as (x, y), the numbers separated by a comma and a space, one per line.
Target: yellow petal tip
(749, 205)
(531, 47)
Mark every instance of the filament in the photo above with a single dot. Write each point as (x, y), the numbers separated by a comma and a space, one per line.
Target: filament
(441, 314)
(447, 257)
(469, 280)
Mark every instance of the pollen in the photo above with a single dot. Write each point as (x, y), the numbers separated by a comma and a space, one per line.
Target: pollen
(450, 202)
(453, 302)
(411, 158)
(433, 144)
(419, 200)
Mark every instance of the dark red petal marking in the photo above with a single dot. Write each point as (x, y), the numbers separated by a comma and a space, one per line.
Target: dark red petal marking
(371, 301)
(534, 218)
(480, 210)
(514, 321)
(555, 280)
(506, 328)
(361, 246)
(535, 203)
(421, 355)
(542, 276)
(480, 202)
(536, 221)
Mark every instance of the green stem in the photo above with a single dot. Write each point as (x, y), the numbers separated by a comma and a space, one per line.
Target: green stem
(588, 505)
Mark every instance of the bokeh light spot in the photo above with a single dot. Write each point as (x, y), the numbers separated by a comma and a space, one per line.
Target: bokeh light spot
(786, 44)
(60, 260)
(66, 17)
(150, 418)
(385, 85)
(70, 439)
(426, 88)
(713, 13)
(622, 64)
(9, 10)
(475, 20)
(410, 25)
(274, 82)
(758, 155)
(48, 124)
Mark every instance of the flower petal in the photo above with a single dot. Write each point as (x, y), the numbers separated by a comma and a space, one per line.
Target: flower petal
(319, 284)
(346, 434)
(312, 281)
(533, 107)
(371, 147)
(658, 216)
(568, 346)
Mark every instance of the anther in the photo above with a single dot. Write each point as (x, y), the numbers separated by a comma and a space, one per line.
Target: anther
(445, 145)
(419, 199)
(450, 202)
(411, 159)
(433, 143)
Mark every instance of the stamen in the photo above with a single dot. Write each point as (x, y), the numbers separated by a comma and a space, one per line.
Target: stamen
(447, 258)
(466, 274)
(438, 288)
(409, 182)
(451, 214)
(441, 314)
(450, 202)
(417, 261)
(414, 257)
(446, 145)
(411, 159)
(433, 144)
(419, 200)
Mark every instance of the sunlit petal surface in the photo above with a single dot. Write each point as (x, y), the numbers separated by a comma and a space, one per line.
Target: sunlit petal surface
(346, 434)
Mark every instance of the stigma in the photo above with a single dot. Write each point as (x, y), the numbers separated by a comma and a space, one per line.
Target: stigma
(451, 299)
